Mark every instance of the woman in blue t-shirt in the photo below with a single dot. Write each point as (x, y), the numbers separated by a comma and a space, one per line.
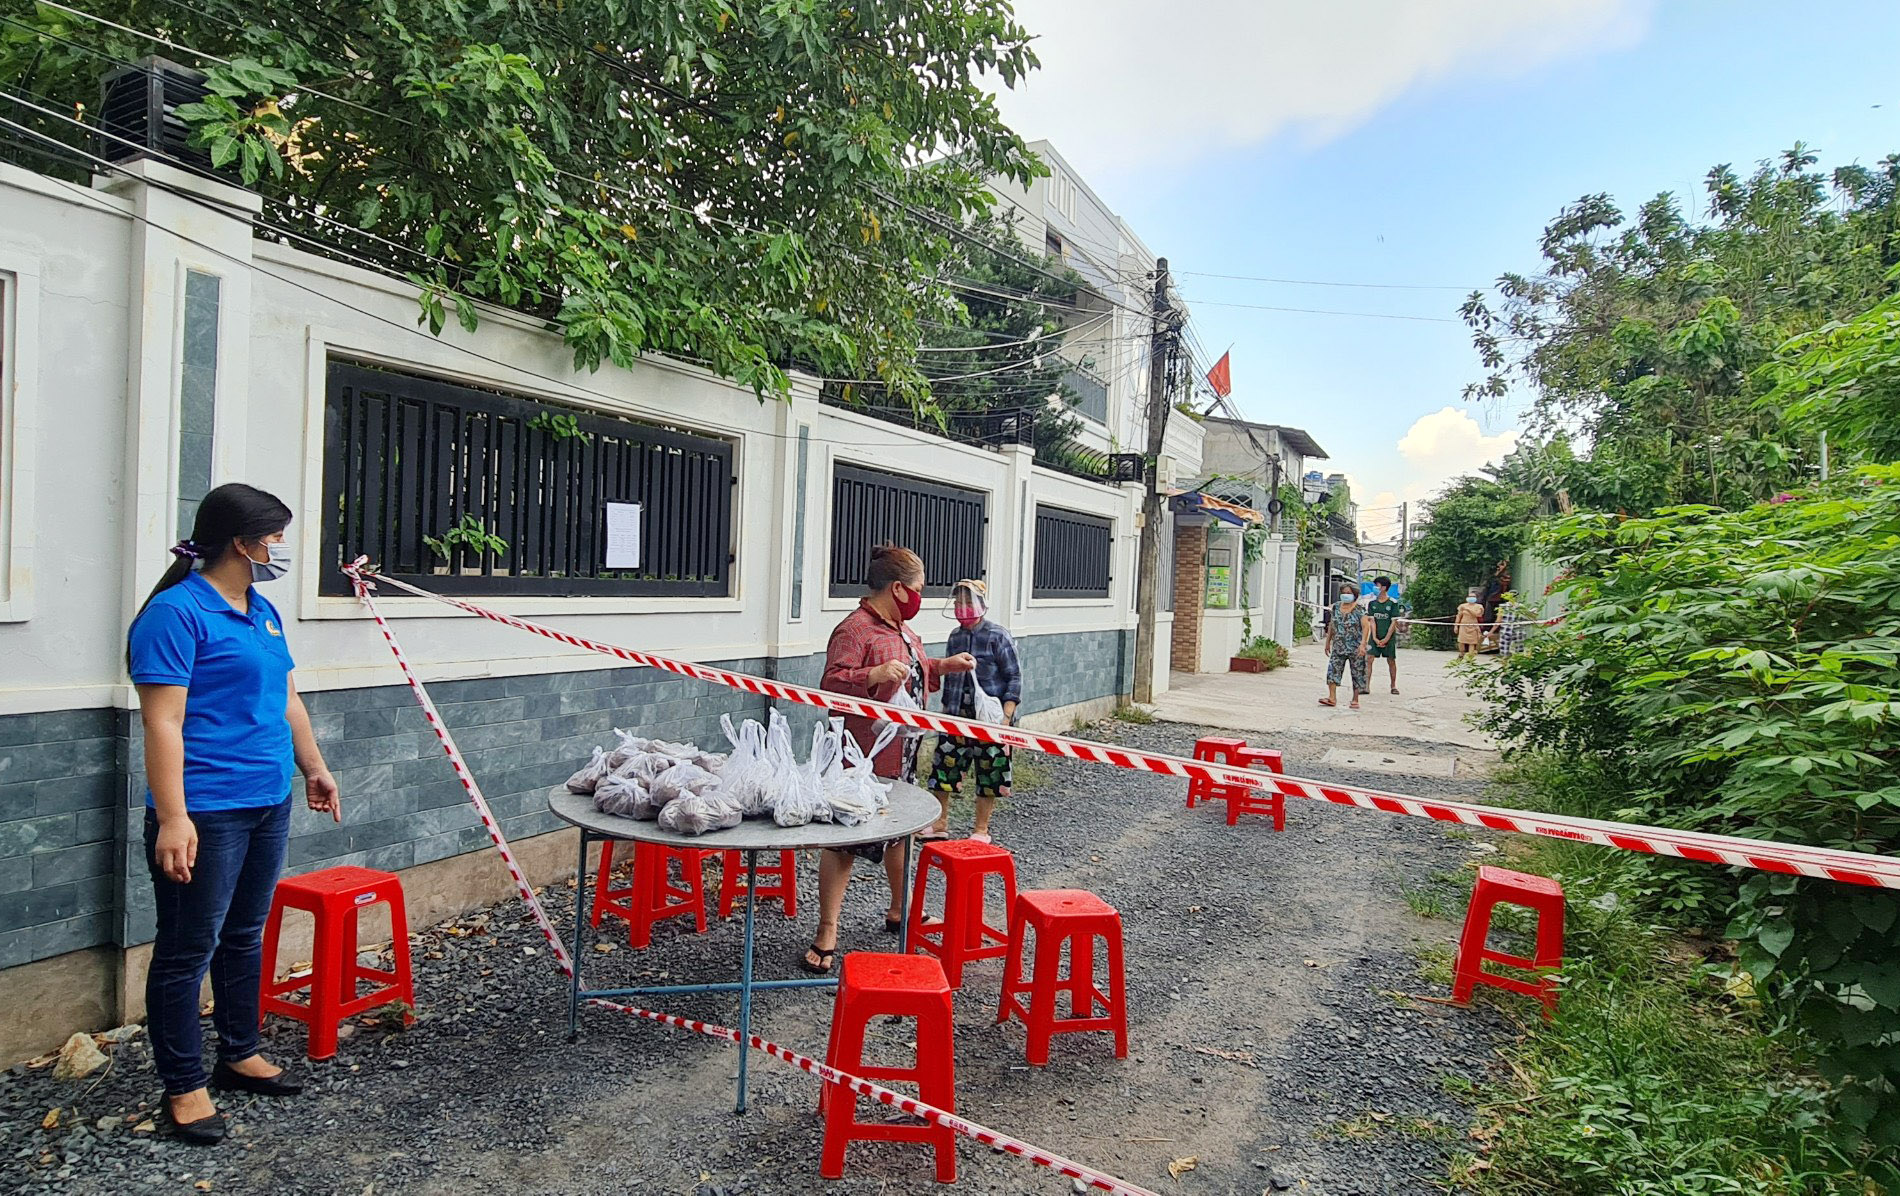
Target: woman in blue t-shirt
(223, 727)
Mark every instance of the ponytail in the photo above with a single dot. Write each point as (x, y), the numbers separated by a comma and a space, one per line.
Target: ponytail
(233, 511)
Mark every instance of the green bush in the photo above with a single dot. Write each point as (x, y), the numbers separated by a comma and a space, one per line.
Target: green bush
(1263, 649)
(1738, 672)
(1471, 529)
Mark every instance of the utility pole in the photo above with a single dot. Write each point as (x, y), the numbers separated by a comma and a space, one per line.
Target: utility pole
(1405, 535)
(1148, 564)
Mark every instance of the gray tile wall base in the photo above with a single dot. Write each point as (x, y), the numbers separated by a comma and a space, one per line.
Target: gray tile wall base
(72, 794)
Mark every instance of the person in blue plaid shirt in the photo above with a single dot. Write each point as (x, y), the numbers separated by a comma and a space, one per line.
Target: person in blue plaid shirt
(1000, 673)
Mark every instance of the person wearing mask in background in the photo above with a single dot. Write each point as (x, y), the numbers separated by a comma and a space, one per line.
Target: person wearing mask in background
(999, 674)
(223, 728)
(1346, 635)
(1386, 612)
(872, 654)
(1469, 623)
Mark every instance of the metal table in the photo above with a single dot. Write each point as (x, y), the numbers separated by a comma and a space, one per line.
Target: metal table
(910, 811)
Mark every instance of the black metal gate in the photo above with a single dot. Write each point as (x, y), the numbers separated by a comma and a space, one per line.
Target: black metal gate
(1074, 553)
(408, 459)
(945, 525)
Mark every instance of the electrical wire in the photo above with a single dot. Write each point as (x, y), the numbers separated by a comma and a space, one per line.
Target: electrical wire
(1312, 282)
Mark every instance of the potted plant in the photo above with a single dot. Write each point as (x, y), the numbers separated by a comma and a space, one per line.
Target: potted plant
(1257, 655)
(468, 537)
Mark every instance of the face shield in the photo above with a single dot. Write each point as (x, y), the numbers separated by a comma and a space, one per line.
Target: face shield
(969, 603)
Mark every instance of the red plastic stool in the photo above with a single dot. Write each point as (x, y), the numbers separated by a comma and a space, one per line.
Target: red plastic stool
(335, 896)
(782, 875)
(1270, 802)
(651, 895)
(1217, 749)
(871, 986)
(963, 935)
(1539, 893)
(1077, 917)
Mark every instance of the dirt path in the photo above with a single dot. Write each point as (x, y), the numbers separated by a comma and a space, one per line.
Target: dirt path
(1264, 1042)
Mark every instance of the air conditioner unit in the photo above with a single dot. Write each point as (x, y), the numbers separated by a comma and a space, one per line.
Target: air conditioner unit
(138, 113)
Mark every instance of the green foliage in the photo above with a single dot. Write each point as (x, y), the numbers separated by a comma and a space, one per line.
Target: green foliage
(1262, 648)
(1662, 1072)
(1469, 531)
(1128, 712)
(1844, 380)
(1649, 335)
(471, 536)
(735, 181)
(1000, 353)
(561, 427)
(1740, 670)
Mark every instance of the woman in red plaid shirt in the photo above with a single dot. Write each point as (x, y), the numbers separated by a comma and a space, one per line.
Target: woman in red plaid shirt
(870, 655)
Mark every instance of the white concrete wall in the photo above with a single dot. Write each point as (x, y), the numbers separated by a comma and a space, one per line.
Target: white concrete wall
(101, 470)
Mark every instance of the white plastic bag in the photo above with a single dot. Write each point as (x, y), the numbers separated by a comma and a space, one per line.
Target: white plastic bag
(681, 779)
(631, 745)
(904, 701)
(747, 778)
(988, 709)
(623, 796)
(695, 814)
(854, 791)
(587, 779)
(645, 766)
(800, 795)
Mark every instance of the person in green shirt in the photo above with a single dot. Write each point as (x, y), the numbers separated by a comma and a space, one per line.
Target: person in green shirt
(1386, 611)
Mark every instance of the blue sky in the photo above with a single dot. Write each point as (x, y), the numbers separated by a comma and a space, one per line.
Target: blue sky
(1426, 144)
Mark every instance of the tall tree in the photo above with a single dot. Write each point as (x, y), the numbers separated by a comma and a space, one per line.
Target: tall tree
(1646, 337)
(737, 181)
(1003, 353)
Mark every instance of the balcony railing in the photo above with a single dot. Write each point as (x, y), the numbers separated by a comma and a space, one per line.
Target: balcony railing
(1091, 391)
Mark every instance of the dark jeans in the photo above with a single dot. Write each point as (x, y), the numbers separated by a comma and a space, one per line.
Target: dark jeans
(217, 923)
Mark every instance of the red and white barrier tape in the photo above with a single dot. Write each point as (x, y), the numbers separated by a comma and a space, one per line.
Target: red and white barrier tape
(1848, 867)
(1098, 1180)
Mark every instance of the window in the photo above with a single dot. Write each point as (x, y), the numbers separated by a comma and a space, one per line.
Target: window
(945, 525)
(478, 492)
(1062, 193)
(1073, 554)
(1053, 246)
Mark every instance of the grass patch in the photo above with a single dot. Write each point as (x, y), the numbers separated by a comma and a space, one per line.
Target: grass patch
(1426, 903)
(1659, 1075)
(1128, 712)
(1028, 770)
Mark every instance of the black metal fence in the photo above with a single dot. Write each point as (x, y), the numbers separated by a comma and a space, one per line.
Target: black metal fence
(946, 525)
(408, 461)
(1073, 554)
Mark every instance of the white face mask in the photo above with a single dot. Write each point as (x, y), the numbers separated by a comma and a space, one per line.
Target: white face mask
(277, 564)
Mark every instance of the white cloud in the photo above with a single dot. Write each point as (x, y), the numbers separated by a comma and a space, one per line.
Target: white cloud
(1438, 447)
(1128, 83)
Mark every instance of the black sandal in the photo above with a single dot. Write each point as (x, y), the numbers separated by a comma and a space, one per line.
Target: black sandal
(893, 925)
(827, 956)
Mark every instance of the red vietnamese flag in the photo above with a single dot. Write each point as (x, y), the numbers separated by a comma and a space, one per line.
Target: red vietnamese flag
(1219, 378)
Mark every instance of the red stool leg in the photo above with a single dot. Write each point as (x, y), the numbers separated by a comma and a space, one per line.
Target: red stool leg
(1471, 940)
(326, 975)
(1042, 994)
(603, 894)
(936, 1081)
(841, 1106)
(1081, 984)
(1117, 991)
(405, 982)
(267, 982)
(732, 868)
(1013, 968)
(693, 864)
(788, 877)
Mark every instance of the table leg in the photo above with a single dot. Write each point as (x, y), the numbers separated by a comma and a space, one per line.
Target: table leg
(903, 931)
(579, 953)
(745, 977)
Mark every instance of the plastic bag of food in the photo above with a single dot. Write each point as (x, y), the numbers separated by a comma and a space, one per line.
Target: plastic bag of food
(988, 709)
(679, 751)
(645, 766)
(696, 813)
(588, 778)
(853, 790)
(800, 795)
(747, 779)
(624, 796)
(630, 745)
(681, 779)
(903, 701)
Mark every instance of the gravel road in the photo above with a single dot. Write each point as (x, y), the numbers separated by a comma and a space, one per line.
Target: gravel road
(1270, 1040)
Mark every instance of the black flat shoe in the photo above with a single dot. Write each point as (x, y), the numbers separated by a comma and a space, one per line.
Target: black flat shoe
(224, 1079)
(206, 1131)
